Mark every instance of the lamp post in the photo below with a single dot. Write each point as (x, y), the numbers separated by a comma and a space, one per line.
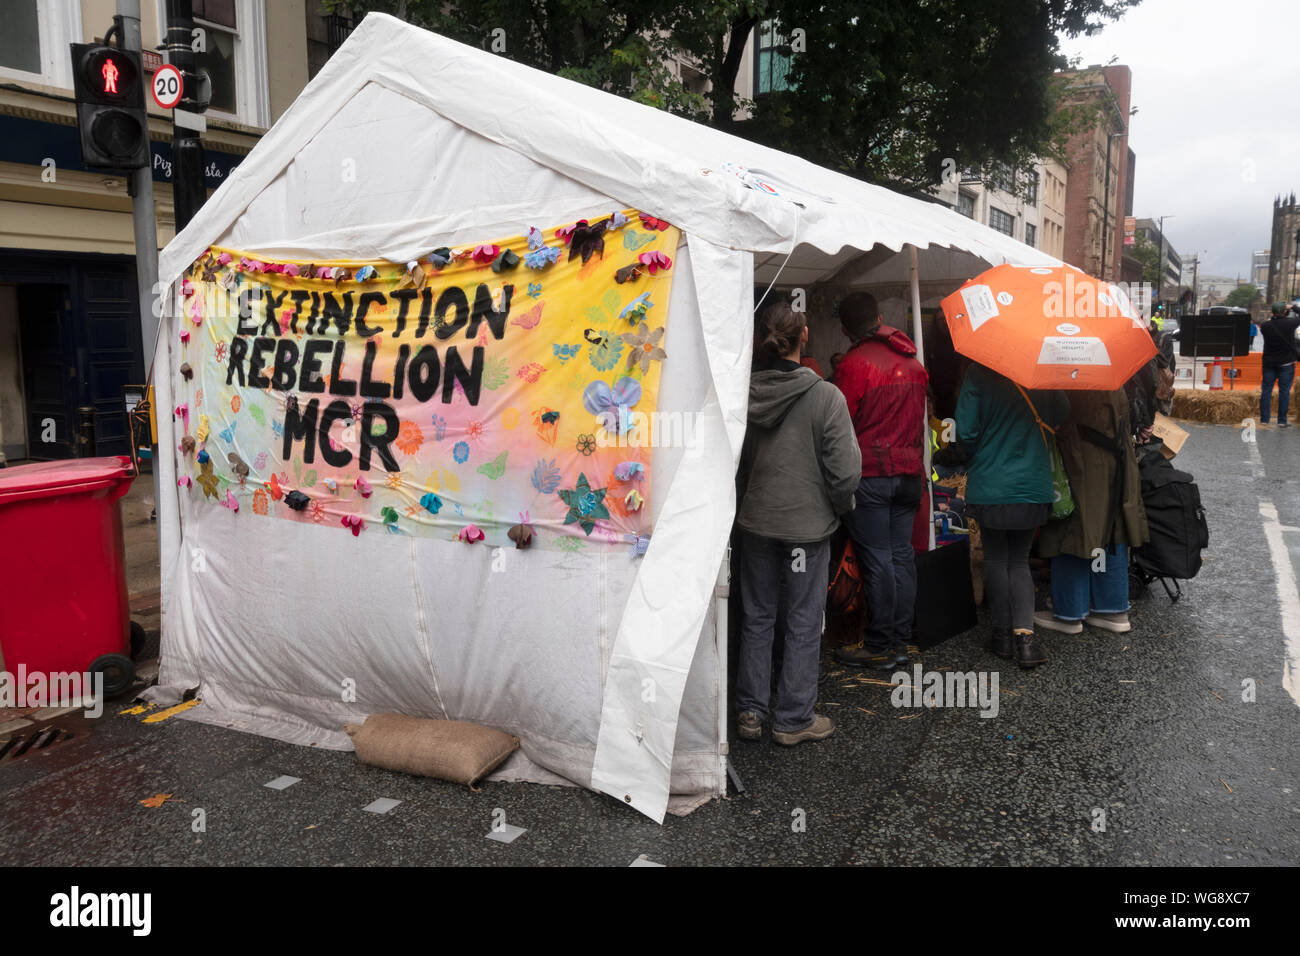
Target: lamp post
(1160, 263)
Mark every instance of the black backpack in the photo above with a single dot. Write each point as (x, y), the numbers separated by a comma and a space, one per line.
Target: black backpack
(1175, 518)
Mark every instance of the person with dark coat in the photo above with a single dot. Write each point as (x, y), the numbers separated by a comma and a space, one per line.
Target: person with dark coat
(1004, 429)
(800, 465)
(1089, 549)
(884, 386)
(1278, 362)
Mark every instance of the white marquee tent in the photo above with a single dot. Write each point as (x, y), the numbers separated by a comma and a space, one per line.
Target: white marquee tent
(446, 144)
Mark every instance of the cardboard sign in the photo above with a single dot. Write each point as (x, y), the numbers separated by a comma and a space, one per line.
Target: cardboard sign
(1169, 433)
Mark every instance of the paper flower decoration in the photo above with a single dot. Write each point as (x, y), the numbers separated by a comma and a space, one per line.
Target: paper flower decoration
(643, 347)
(184, 481)
(187, 288)
(541, 257)
(505, 262)
(389, 514)
(655, 260)
(273, 486)
(521, 535)
(230, 502)
(185, 336)
(628, 273)
(653, 224)
(611, 405)
(292, 269)
(587, 241)
(440, 257)
(363, 487)
(296, 500)
(485, 253)
(585, 504)
(238, 466)
(354, 522)
(187, 445)
(207, 480)
(535, 238)
(186, 371)
(331, 485)
(204, 428)
(629, 471)
(469, 534)
(633, 500)
(617, 221)
(224, 259)
(635, 310)
(566, 232)
(203, 457)
(431, 503)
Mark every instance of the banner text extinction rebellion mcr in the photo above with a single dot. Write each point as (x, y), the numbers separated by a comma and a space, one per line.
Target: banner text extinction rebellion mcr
(268, 355)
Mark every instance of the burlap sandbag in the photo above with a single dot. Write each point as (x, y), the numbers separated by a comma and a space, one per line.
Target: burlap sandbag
(446, 749)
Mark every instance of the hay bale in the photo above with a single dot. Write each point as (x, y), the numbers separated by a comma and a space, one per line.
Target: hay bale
(1225, 407)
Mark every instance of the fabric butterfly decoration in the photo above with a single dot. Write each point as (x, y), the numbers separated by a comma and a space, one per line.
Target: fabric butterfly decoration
(653, 223)
(440, 258)
(363, 487)
(535, 238)
(505, 262)
(617, 221)
(230, 502)
(485, 253)
(469, 534)
(635, 310)
(611, 406)
(355, 522)
(431, 503)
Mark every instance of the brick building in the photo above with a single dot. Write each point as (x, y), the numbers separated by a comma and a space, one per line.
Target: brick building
(1097, 183)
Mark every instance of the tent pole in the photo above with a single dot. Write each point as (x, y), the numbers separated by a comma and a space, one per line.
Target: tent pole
(914, 276)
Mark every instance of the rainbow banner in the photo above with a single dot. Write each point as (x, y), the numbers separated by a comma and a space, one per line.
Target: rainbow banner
(497, 392)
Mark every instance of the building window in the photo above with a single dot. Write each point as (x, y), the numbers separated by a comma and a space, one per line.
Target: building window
(35, 38)
(233, 57)
(1031, 189)
(1001, 221)
(1031, 235)
(966, 205)
(772, 65)
(1003, 177)
(217, 59)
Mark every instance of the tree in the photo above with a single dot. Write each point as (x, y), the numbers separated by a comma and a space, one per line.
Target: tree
(1242, 296)
(892, 91)
(1147, 253)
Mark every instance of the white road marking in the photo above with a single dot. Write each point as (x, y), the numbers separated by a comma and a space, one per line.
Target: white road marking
(1287, 597)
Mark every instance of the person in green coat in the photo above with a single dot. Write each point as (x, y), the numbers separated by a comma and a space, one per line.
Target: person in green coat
(1004, 429)
(1089, 549)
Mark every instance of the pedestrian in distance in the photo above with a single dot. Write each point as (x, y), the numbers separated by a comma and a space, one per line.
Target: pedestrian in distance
(1005, 431)
(1090, 548)
(1278, 362)
(799, 469)
(884, 386)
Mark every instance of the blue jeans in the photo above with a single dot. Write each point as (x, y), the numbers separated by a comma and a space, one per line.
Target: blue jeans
(881, 527)
(804, 568)
(1284, 375)
(1077, 590)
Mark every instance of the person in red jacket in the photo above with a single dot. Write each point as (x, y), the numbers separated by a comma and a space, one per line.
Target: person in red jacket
(884, 386)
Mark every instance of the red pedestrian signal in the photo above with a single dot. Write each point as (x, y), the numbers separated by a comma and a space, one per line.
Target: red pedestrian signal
(111, 115)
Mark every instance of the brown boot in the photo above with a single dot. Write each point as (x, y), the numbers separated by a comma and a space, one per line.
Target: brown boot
(1029, 653)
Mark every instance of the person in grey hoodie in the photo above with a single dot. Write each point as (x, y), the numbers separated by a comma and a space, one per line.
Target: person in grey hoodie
(800, 467)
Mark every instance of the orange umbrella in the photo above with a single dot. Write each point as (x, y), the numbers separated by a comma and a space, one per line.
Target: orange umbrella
(1049, 328)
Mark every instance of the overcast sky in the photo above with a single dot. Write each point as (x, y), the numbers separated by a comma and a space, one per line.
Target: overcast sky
(1217, 132)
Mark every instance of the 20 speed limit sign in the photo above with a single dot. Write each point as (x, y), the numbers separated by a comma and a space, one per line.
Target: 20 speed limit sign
(167, 86)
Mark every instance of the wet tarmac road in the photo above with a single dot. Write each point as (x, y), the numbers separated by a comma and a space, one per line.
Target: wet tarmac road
(1148, 727)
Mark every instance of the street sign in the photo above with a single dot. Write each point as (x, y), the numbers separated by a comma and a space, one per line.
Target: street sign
(168, 86)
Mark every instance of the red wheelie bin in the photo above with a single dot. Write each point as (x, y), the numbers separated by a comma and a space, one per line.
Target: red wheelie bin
(63, 600)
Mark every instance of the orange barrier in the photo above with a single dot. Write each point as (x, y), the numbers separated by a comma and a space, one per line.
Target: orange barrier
(1249, 369)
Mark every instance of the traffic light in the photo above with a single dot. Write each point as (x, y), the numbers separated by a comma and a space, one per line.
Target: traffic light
(111, 116)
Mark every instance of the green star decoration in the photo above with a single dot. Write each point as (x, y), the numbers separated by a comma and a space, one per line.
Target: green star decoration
(585, 504)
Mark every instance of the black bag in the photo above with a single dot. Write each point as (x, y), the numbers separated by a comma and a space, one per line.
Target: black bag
(1175, 518)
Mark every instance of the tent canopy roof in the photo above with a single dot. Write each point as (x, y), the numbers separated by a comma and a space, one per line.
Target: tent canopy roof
(797, 217)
